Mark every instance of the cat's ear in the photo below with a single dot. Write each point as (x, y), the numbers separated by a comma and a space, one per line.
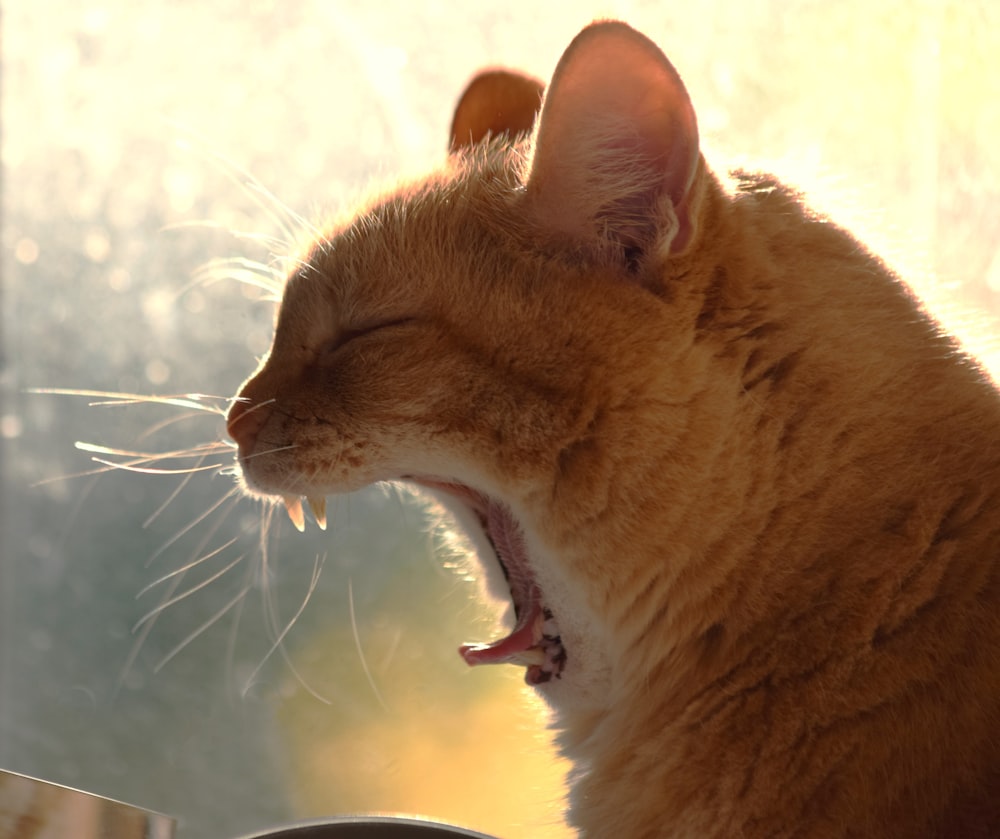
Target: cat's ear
(495, 103)
(616, 151)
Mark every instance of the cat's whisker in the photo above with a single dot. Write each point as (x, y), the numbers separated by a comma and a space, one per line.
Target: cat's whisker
(138, 458)
(278, 643)
(145, 625)
(140, 640)
(183, 570)
(164, 424)
(257, 406)
(232, 496)
(110, 398)
(234, 630)
(154, 470)
(87, 473)
(215, 618)
(284, 652)
(360, 649)
(150, 615)
(275, 450)
(170, 498)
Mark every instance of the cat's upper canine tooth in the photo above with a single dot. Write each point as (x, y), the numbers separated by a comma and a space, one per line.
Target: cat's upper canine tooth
(293, 504)
(318, 506)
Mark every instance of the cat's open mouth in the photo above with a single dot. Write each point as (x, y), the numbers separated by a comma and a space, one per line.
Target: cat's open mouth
(535, 641)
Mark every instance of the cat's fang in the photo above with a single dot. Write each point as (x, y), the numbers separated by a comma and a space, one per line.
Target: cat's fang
(318, 506)
(293, 504)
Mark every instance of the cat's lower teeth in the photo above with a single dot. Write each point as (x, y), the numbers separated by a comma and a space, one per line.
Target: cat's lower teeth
(529, 657)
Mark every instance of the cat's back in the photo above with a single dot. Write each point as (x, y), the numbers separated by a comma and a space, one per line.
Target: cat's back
(856, 577)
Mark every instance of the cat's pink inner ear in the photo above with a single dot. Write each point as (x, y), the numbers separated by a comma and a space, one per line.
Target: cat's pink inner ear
(616, 151)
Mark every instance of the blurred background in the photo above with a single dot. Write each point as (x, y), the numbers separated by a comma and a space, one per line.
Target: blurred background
(142, 141)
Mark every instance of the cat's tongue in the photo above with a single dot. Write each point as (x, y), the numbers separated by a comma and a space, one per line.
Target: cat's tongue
(522, 645)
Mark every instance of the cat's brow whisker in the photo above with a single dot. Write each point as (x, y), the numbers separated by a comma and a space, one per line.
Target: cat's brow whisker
(246, 181)
(268, 201)
(360, 649)
(281, 215)
(152, 613)
(244, 271)
(265, 240)
(182, 570)
(303, 265)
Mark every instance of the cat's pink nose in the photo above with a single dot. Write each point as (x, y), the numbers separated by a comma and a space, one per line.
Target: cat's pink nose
(244, 423)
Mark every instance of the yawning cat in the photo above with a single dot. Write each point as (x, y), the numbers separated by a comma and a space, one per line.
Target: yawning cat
(745, 493)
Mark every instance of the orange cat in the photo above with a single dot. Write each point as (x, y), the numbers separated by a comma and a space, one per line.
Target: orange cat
(746, 495)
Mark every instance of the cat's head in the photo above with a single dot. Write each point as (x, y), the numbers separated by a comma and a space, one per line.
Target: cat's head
(499, 332)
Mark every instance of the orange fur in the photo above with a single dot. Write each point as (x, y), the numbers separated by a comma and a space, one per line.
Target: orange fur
(759, 489)
(495, 103)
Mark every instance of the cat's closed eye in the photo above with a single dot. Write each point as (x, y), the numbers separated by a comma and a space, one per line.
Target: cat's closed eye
(347, 336)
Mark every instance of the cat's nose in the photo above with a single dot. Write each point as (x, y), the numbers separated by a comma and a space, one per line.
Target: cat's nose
(244, 422)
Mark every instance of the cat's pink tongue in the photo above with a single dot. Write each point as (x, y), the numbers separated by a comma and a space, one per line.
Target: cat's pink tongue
(520, 647)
